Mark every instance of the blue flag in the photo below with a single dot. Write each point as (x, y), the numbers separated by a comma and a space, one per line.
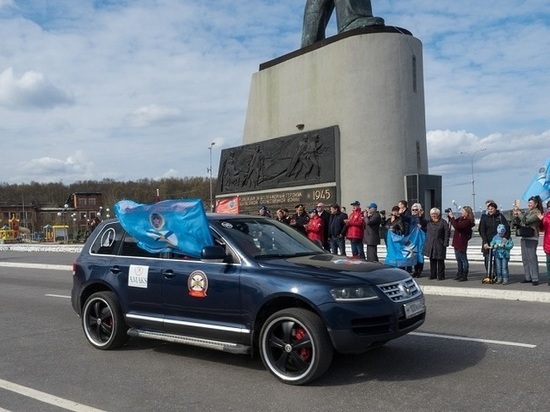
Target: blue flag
(402, 251)
(541, 184)
(179, 226)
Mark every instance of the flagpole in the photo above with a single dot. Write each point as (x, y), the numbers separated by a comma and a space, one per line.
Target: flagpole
(473, 175)
(211, 208)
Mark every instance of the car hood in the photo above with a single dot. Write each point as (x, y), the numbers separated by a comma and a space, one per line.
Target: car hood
(332, 266)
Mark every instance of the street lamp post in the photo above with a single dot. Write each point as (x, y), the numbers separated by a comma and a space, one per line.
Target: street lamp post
(99, 213)
(210, 175)
(62, 215)
(457, 207)
(73, 217)
(473, 175)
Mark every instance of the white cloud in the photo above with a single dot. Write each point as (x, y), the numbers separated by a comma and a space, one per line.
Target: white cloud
(47, 169)
(31, 90)
(153, 115)
(6, 3)
(169, 173)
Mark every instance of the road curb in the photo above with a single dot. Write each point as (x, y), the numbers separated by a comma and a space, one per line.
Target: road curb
(65, 268)
(41, 247)
(502, 294)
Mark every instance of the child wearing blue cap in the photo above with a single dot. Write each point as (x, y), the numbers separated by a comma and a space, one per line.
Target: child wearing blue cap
(501, 249)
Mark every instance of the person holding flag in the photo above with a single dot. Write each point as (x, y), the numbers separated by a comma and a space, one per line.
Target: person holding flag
(546, 239)
(529, 243)
(403, 251)
(537, 191)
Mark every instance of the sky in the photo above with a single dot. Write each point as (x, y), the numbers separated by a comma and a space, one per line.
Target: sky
(140, 89)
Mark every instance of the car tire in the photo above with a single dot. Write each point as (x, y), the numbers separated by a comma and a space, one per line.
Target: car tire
(295, 346)
(103, 322)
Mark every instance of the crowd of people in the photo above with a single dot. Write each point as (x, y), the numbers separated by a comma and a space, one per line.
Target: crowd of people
(365, 229)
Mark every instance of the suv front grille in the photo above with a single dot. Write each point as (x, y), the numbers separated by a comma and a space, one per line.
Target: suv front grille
(401, 291)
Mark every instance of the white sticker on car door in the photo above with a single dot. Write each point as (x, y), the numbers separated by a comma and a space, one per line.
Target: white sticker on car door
(138, 276)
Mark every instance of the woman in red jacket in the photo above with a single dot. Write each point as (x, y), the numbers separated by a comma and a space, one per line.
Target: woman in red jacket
(546, 239)
(463, 233)
(315, 228)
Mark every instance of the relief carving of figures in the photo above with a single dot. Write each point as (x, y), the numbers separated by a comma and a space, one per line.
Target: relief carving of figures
(282, 162)
(298, 162)
(313, 150)
(255, 173)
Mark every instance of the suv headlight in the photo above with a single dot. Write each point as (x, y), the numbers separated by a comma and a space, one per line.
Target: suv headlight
(353, 293)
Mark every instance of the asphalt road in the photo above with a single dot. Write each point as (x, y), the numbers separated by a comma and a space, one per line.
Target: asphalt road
(471, 354)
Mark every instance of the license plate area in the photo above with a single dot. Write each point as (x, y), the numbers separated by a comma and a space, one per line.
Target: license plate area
(414, 308)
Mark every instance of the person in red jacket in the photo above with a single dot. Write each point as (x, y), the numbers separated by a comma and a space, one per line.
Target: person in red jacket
(355, 229)
(463, 233)
(546, 239)
(315, 228)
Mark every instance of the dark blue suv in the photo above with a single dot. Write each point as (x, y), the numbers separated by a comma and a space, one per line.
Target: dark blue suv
(263, 287)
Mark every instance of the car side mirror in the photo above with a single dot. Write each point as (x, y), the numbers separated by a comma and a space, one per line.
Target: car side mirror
(213, 253)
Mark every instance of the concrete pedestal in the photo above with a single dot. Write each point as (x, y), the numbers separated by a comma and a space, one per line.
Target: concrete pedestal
(371, 86)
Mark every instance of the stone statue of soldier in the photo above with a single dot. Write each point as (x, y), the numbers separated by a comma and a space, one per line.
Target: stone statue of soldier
(350, 14)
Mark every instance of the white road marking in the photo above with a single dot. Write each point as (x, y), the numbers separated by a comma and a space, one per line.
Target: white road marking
(495, 342)
(46, 397)
(36, 266)
(51, 295)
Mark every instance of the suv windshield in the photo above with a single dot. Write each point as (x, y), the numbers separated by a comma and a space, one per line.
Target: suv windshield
(265, 238)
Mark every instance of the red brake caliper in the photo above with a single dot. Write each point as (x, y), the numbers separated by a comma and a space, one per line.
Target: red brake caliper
(305, 353)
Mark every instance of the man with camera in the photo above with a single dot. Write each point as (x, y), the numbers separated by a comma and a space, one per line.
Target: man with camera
(462, 234)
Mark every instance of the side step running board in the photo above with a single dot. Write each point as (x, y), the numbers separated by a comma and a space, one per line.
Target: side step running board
(189, 340)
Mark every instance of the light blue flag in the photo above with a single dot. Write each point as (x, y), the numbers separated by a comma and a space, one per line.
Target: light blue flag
(179, 226)
(540, 186)
(402, 251)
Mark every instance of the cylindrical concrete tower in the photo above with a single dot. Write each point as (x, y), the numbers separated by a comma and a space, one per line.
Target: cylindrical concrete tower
(370, 85)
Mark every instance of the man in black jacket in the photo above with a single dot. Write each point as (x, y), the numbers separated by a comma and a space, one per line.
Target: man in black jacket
(371, 236)
(405, 215)
(299, 219)
(337, 230)
(325, 217)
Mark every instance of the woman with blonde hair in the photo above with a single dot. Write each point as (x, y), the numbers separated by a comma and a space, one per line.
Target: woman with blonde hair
(282, 216)
(463, 233)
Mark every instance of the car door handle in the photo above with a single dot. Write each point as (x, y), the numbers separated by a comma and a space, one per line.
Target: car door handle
(169, 274)
(115, 270)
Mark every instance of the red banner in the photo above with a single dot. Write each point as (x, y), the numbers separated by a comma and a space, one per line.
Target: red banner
(228, 205)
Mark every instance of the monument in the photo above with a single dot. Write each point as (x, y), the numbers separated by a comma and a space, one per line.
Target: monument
(338, 120)
(350, 14)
